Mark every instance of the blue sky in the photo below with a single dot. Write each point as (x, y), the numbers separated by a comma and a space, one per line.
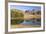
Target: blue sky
(21, 7)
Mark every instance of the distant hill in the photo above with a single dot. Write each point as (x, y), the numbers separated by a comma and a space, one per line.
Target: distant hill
(14, 10)
(16, 13)
(33, 11)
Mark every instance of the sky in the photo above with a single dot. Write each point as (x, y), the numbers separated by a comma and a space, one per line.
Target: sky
(21, 7)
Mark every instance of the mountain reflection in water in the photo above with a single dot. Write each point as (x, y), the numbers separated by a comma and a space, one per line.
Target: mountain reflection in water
(31, 22)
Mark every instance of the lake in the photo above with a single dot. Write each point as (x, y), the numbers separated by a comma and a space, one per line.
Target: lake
(31, 22)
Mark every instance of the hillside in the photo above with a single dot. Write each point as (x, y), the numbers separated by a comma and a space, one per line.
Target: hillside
(16, 13)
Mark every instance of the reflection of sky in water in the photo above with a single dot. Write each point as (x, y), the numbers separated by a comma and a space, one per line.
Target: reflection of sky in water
(27, 22)
(31, 22)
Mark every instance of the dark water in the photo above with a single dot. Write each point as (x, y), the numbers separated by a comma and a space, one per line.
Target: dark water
(26, 22)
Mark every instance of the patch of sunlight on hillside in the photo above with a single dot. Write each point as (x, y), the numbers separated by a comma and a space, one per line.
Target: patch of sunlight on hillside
(26, 16)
